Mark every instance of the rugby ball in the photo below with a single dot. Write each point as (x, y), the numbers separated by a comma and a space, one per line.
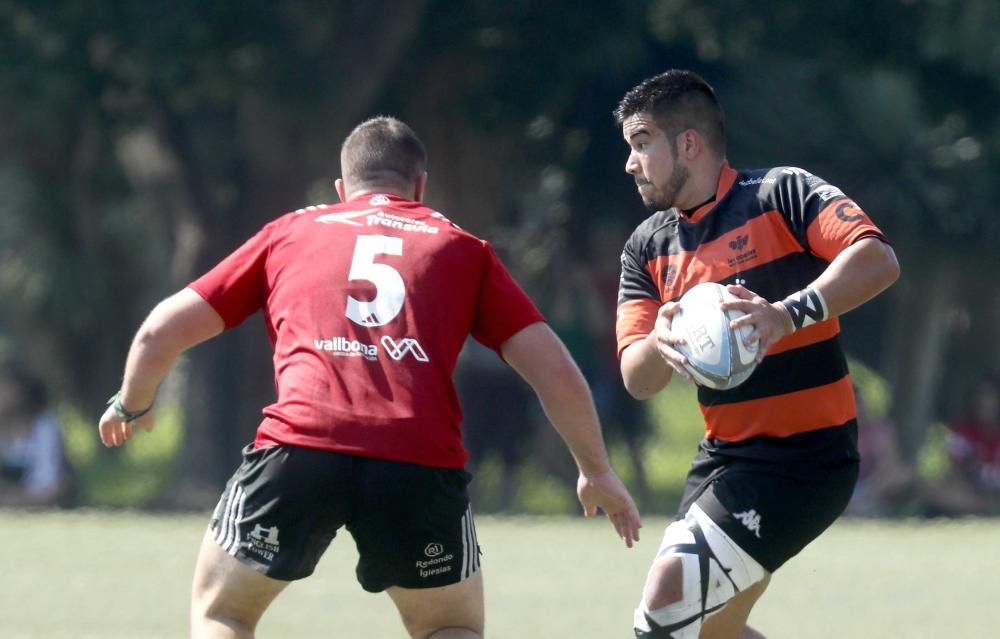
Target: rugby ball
(717, 356)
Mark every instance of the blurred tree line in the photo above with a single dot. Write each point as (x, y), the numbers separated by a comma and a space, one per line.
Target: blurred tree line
(141, 142)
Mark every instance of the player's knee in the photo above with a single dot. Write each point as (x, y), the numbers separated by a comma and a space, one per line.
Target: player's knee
(697, 571)
(665, 584)
(442, 632)
(451, 623)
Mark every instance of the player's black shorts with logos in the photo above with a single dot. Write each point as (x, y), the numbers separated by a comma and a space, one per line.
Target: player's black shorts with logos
(412, 524)
(773, 496)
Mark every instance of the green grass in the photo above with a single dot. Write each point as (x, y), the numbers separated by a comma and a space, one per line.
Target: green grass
(108, 575)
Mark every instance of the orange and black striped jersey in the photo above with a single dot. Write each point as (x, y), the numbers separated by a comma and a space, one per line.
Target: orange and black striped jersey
(773, 231)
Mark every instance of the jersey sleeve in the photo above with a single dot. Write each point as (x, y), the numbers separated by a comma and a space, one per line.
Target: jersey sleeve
(237, 286)
(638, 298)
(502, 306)
(822, 217)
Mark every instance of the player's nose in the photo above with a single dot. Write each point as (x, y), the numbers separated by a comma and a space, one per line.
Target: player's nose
(632, 164)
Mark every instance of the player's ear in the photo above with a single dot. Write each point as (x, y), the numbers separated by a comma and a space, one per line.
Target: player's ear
(418, 188)
(690, 144)
(338, 184)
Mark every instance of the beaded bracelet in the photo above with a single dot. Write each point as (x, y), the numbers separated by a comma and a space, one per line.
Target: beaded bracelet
(116, 403)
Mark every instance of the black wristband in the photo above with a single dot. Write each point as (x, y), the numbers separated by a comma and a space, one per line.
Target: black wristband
(806, 307)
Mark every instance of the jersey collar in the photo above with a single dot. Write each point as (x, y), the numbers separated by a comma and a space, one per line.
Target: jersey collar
(727, 177)
(376, 199)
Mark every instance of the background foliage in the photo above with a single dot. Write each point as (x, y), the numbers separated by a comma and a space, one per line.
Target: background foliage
(140, 142)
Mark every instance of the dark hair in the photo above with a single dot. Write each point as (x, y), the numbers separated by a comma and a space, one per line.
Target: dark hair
(382, 151)
(678, 100)
(34, 394)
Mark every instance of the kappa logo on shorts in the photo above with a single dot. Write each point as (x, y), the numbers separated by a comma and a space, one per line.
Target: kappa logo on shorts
(434, 549)
(407, 345)
(750, 519)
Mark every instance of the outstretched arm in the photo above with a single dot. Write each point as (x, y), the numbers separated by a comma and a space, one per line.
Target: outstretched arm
(174, 325)
(540, 357)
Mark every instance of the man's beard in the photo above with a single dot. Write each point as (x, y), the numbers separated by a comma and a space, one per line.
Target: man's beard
(667, 196)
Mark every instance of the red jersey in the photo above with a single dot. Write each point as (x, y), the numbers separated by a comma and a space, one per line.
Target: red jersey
(773, 231)
(367, 305)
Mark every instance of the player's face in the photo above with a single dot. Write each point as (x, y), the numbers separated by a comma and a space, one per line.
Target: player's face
(653, 162)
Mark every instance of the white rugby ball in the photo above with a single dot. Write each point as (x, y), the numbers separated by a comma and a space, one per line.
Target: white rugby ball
(717, 356)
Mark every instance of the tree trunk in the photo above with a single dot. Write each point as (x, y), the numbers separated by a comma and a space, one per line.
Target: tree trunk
(921, 339)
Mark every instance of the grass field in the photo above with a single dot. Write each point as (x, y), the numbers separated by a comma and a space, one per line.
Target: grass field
(109, 575)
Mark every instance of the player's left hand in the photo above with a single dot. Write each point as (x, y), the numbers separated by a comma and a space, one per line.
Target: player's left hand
(114, 431)
(770, 322)
(666, 340)
(606, 491)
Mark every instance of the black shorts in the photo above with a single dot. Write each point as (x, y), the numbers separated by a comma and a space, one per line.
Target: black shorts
(412, 524)
(772, 509)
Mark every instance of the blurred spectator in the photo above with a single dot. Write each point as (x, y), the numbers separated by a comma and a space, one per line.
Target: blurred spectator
(496, 405)
(34, 470)
(885, 480)
(972, 484)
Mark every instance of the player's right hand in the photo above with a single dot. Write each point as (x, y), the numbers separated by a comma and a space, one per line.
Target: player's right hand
(666, 339)
(114, 431)
(607, 492)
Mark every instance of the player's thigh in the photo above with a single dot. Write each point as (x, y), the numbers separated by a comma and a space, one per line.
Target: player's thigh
(226, 589)
(772, 511)
(729, 622)
(427, 610)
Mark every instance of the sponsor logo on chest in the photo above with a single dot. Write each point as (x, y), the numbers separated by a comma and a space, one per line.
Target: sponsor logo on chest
(744, 252)
(341, 346)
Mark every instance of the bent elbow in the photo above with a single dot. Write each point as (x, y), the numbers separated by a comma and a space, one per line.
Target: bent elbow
(640, 391)
(890, 267)
(640, 394)
(161, 330)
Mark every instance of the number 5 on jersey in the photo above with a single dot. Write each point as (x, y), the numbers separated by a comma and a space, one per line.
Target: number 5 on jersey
(390, 291)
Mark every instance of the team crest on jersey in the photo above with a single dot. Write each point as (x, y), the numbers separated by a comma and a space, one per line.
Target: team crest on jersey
(668, 277)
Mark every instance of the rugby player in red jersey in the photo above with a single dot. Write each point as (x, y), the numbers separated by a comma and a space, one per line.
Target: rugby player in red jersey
(367, 304)
(779, 459)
